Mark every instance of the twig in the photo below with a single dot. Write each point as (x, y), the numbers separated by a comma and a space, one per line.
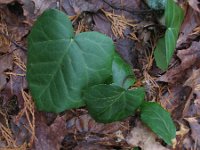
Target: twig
(12, 41)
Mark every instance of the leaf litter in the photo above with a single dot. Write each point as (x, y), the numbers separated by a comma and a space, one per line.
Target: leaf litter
(22, 126)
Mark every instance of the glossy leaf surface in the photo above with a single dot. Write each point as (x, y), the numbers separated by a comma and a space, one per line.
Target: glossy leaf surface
(61, 65)
(122, 73)
(109, 103)
(165, 47)
(159, 121)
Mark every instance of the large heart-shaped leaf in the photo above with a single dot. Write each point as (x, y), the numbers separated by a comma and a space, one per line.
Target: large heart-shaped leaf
(61, 65)
(165, 47)
(159, 121)
(109, 103)
(122, 72)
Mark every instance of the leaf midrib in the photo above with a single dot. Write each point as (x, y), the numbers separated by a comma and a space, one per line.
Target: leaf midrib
(116, 99)
(53, 75)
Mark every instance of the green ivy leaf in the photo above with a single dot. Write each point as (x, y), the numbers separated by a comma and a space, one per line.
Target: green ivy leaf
(174, 16)
(123, 75)
(159, 120)
(109, 103)
(61, 65)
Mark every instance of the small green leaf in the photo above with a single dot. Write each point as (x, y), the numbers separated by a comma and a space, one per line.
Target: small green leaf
(123, 75)
(174, 16)
(109, 103)
(159, 121)
(61, 65)
(165, 48)
(160, 54)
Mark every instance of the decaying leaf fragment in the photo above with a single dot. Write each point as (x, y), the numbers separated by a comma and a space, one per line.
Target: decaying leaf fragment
(195, 128)
(190, 58)
(49, 137)
(195, 4)
(6, 64)
(141, 136)
(192, 107)
(6, 1)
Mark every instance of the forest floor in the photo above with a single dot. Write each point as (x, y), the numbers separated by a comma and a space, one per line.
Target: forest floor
(134, 29)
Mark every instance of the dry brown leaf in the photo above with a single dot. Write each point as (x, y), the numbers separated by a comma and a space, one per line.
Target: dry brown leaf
(13, 19)
(195, 4)
(142, 137)
(174, 99)
(195, 128)
(191, 21)
(5, 64)
(33, 8)
(85, 5)
(193, 103)
(85, 123)
(194, 109)
(190, 58)
(49, 137)
(18, 131)
(86, 146)
(194, 81)
(6, 1)
(17, 80)
(84, 129)
(41, 5)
